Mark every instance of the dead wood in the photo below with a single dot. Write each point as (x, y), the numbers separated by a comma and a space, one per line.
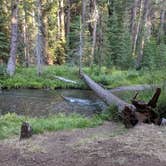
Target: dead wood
(154, 99)
(133, 88)
(26, 130)
(134, 113)
(65, 80)
(108, 97)
(126, 110)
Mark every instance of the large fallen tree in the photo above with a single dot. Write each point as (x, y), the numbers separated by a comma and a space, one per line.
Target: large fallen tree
(132, 114)
(134, 88)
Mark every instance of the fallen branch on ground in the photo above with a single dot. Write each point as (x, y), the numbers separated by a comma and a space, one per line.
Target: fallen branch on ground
(65, 80)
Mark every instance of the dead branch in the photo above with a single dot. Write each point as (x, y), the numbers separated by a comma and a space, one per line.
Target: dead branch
(65, 80)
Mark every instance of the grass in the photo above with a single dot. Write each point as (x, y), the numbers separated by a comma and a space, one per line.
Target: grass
(26, 78)
(110, 78)
(10, 124)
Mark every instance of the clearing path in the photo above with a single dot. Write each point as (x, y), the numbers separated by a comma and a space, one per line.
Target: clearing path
(106, 145)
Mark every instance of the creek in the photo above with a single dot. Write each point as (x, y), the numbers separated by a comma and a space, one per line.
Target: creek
(36, 103)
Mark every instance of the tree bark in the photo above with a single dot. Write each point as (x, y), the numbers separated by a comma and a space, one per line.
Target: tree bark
(68, 17)
(108, 97)
(95, 18)
(134, 88)
(81, 45)
(82, 25)
(14, 39)
(25, 38)
(61, 20)
(39, 40)
(133, 19)
(134, 113)
(138, 27)
(143, 35)
(161, 28)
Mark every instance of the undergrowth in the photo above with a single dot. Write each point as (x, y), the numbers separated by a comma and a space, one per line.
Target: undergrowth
(10, 124)
(110, 78)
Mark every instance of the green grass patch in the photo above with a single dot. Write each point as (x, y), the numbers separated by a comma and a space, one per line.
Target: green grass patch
(10, 124)
(27, 77)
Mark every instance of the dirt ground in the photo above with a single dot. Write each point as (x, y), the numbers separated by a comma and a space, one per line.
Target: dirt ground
(106, 145)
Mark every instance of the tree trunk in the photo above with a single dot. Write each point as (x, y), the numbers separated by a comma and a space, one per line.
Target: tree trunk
(68, 17)
(110, 6)
(161, 28)
(82, 25)
(81, 45)
(39, 40)
(61, 20)
(25, 38)
(138, 27)
(95, 18)
(100, 42)
(14, 38)
(134, 113)
(143, 34)
(108, 97)
(133, 19)
(47, 56)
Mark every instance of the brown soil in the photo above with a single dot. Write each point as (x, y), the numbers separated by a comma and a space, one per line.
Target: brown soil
(106, 145)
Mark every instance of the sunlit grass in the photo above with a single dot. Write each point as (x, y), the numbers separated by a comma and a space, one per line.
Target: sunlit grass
(109, 77)
(10, 124)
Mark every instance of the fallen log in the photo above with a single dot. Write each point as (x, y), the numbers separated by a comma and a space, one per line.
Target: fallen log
(126, 110)
(134, 88)
(134, 113)
(65, 80)
(109, 98)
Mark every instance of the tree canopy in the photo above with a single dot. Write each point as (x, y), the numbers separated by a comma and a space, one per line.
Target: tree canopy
(121, 33)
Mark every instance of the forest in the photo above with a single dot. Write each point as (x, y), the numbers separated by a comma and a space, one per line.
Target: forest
(126, 34)
(84, 79)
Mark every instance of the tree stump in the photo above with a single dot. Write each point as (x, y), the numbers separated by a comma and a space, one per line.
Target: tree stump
(26, 130)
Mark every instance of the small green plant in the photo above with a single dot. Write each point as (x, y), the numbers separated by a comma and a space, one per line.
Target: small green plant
(111, 113)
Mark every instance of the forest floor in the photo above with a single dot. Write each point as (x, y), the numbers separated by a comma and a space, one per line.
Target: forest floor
(106, 145)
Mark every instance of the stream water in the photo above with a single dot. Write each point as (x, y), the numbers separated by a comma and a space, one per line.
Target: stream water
(37, 103)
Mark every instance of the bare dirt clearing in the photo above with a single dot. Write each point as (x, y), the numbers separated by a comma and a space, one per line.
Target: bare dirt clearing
(106, 145)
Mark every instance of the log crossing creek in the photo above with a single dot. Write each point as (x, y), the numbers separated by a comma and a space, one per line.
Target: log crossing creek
(36, 103)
